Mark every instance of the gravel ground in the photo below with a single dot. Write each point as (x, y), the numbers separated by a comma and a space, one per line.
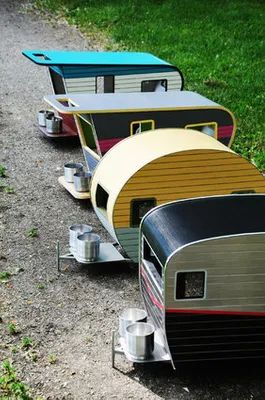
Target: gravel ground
(69, 317)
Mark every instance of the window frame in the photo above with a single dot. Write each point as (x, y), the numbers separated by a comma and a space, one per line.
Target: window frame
(215, 125)
(105, 193)
(104, 76)
(154, 80)
(191, 298)
(131, 209)
(150, 257)
(140, 122)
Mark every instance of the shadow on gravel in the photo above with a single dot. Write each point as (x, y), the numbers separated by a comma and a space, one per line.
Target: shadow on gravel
(227, 380)
(62, 145)
(104, 270)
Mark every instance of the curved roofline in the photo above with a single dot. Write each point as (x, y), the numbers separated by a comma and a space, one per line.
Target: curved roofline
(160, 142)
(186, 222)
(95, 58)
(209, 239)
(197, 198)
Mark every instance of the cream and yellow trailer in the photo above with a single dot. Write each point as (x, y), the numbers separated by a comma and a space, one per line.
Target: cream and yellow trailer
(160, 166)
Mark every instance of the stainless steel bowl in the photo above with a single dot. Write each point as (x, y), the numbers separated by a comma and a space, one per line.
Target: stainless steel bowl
(54, 124)
(70, 169)
(130, 315)
(139, 339)
(74, 231)
(82, 181)
(88, 245)
(42, 117)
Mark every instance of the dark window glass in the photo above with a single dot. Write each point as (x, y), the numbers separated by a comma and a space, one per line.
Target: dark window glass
(148, 255)
(141, 126)
(156, 85)
(105, 84)
(190, 285)
(139, 208)
(101, 197)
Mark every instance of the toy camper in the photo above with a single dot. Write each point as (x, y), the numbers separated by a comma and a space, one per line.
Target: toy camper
(156, 167)
(202, 281)
(104, 120)
(104, 72)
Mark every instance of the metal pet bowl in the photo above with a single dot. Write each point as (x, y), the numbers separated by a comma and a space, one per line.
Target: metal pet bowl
(139, 340)
(54, 124)
(43, 115)
(81, 181)
(130, 315)
(88, 245)
(74, 231)
(70, 169)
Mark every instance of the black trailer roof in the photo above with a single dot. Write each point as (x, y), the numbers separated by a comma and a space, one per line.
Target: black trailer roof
(169, 227)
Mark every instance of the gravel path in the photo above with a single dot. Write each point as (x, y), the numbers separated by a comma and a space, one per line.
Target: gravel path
(68, 317)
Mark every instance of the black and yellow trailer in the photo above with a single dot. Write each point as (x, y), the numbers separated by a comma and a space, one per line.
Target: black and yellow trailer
(104, 120)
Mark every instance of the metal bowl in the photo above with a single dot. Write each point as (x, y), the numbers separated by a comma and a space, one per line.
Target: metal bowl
(130, 315)
(54, 124)
(42, 117)
(88, 245)
(70, 169)
(139, 339)
(74, 231)
(81, 181)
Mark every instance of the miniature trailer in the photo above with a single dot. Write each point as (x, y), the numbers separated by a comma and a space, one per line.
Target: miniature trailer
(106, 119)
(157, 167)
(202, 277)
(104, 72)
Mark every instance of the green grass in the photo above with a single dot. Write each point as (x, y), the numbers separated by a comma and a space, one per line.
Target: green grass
(4, 276)
(219, 46)
(11, 387)
(32, 233)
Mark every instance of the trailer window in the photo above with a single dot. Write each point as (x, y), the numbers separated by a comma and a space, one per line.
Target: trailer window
(139, 207)
(101, 197)
(105, 84)
(149, 255)
(190, 285)
(154, 85)
(141, 126)
(57, 82)
(209, 128)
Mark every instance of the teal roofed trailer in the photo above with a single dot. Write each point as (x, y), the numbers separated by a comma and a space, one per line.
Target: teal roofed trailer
(105, 72)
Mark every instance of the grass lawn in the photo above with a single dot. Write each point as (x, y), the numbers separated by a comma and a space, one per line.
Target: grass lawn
(219, 46)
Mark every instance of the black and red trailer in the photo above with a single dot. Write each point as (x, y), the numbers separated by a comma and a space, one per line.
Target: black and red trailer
(202, 277)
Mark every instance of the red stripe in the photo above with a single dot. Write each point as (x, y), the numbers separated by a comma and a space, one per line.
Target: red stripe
(225, 131)
(107, 144)
(209, 312)
(149, 290)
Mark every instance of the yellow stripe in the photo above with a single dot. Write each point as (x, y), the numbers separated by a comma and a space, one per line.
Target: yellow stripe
(122, 220)
(188, 177)
(193, 187)
(195, 163)
(190, 182)
(191, 169)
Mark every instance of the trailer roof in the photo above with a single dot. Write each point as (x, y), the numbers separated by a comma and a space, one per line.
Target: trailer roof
(128, 102)
(53, 57)
(170, 227)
